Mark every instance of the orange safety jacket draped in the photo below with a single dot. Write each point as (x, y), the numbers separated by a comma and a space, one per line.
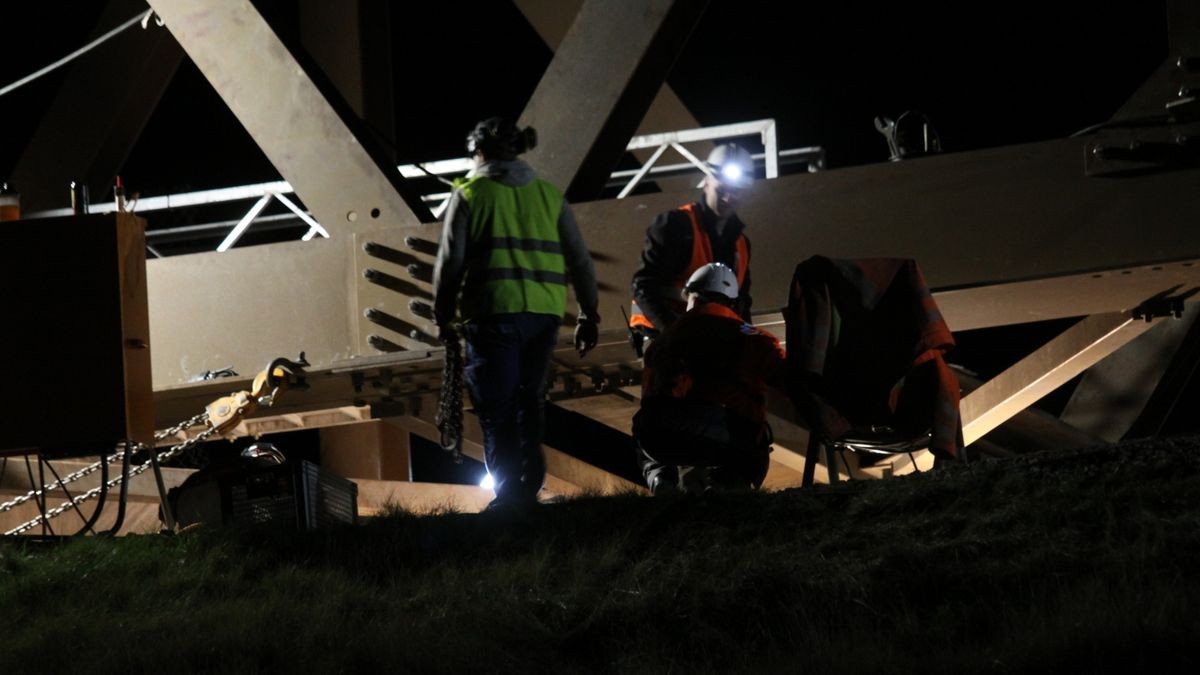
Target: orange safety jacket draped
(702, 254)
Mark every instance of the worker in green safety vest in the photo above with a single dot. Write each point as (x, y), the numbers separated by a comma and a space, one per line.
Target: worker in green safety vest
(509, 244)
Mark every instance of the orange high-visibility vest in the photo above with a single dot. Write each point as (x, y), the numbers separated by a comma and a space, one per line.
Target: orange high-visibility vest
(702, 254)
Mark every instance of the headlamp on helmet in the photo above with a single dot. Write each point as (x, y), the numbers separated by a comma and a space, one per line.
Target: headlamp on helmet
(731, 165)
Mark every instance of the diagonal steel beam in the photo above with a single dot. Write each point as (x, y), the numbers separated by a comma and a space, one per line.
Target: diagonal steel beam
(1112, 394)
(611, 63)
(295, 116)
(552, 18)
(1043, 371)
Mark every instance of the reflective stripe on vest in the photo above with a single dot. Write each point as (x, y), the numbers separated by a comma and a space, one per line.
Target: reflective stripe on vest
(515, 259)
(702, 254)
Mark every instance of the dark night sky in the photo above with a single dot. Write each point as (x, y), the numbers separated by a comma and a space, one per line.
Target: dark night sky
(1017, 72)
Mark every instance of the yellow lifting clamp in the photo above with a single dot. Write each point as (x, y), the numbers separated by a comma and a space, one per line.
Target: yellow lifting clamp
(282, 374)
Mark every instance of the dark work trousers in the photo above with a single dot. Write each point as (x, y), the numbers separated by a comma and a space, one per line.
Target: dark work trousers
(508, 356)
(744, 463)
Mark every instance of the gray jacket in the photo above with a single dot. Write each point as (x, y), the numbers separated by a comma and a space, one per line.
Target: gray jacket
(451, 264)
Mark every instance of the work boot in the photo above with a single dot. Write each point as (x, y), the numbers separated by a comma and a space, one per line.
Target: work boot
(662, 485)
(695, 480)
(510, 503)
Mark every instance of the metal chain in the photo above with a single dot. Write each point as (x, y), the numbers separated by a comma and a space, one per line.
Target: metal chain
(449, 418)
(246, 405)
(163, 456)
(94, 467)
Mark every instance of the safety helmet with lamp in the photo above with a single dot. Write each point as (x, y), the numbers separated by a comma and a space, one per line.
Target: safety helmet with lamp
(731, 165)
(714, 281)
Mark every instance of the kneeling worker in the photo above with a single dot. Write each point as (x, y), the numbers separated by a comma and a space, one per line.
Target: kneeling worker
(703, 422)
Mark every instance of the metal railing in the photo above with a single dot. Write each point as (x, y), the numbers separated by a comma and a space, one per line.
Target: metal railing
(628, 179)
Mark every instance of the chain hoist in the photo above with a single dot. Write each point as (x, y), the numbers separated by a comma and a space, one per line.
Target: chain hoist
(449, 417)
(218, 417)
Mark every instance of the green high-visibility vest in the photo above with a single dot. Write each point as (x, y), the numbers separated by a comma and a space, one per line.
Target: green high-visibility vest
(514, 257)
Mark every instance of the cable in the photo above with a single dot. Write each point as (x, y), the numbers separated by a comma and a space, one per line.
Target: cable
(41, 500)
(87, 523)
(447, 181)
(383, 138)
(140, 18)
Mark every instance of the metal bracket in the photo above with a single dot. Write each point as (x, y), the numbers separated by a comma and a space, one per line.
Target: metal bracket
(1163, 305)
(1143, 149)
(1159, 142)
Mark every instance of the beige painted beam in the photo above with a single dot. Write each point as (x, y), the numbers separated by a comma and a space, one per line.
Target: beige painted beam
(791, 445)
(1043, 371)
(611, 410)
(301, 129)
(370, 450)
(589, 478)
(1046, 242)
(1112, 394)
(560, 465)
(552, 18)
(376, 496)
(580, 144)
(291, 421)
(473, 448)
(901, 465)
(617, 410)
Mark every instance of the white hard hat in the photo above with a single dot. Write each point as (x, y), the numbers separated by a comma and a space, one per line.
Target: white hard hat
(731, 165)
(713, 279)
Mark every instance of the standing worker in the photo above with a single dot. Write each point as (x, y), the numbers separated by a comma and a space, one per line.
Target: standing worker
(703, 419)
(509, 243)
(683, 240)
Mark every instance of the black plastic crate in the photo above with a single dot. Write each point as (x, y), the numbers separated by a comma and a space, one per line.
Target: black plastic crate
(300, 493)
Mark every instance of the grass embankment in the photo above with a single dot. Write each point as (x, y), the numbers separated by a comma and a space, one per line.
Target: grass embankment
(1074, 562)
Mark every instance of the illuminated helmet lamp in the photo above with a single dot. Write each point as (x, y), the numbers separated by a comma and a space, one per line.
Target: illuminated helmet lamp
(731, 165)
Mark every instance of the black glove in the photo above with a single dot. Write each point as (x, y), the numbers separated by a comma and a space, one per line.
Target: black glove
(586, 336)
